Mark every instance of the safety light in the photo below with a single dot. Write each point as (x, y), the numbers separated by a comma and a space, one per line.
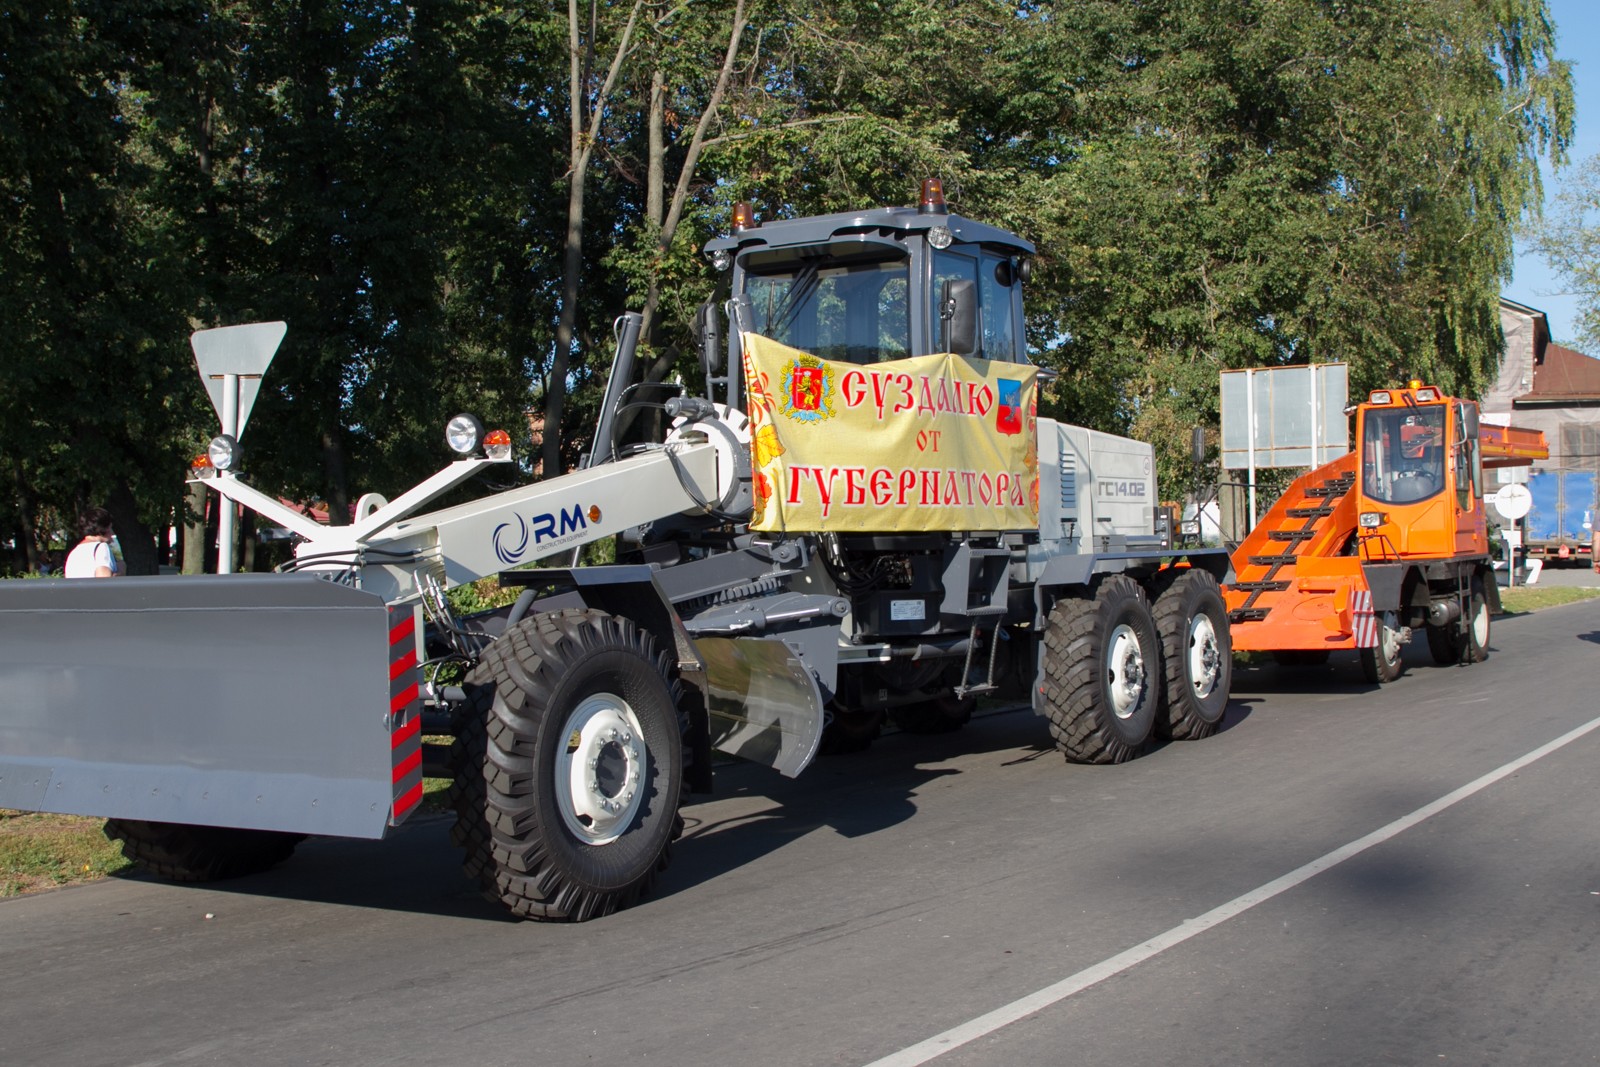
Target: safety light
(1380, 396)
(744, 216)
(497, 444)
(463, 434)
(932, 202)
(1371, 520)
(1427, 394)
(202, 468)
(224, 452)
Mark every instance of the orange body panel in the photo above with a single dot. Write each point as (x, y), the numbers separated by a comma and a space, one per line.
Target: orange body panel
(1418, 473)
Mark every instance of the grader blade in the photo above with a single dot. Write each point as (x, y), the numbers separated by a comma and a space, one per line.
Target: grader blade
(271, 702)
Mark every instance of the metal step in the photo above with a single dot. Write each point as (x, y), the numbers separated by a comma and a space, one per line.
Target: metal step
(1261, 587)
(1286, 560)
(1291, 535)
(1248, 614)
(1320, 512)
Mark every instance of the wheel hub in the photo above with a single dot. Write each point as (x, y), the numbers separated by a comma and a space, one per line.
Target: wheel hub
(1125, 673)
(1205, 659)
(600, 769)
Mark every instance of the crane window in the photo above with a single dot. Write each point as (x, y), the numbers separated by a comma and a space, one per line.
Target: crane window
(1402, 454)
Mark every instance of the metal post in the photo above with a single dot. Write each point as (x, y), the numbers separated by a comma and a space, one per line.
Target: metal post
(226, 513)
(1250, 420)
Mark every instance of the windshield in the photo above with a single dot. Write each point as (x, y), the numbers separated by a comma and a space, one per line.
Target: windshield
(1402, 454)
(855, 314)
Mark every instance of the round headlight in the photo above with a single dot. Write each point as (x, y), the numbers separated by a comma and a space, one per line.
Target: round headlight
(463, 433)
(224, 452)
(721, 259)
(940, 237)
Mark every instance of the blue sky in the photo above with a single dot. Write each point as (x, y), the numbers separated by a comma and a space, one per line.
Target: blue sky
(1577, 39)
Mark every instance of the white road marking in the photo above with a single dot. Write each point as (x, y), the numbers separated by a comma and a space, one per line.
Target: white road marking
(937, 1045)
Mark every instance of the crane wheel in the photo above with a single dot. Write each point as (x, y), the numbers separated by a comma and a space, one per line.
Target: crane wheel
(183, 853)
(1382, 663)
(1196, 653)
(1100, 675)
(570, 766)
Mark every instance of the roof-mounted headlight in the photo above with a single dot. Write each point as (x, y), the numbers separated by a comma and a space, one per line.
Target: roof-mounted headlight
(940, 237)
(463, 434)
(224, 453)
(721, 259)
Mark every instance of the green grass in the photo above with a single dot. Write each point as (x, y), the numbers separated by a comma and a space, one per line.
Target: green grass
(40, 851)
(1527, 598)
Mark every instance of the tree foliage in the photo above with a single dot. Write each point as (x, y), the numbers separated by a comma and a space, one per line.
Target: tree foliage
(449, 202)
(1568, 237)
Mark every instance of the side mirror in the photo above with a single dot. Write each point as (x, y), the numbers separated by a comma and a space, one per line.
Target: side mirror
(708, 331)
(958, 316)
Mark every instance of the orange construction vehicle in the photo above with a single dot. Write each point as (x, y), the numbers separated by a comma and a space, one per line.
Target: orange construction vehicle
(1382, 542)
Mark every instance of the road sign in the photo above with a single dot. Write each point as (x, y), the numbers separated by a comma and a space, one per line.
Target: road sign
(231, 360)
(1513, 501)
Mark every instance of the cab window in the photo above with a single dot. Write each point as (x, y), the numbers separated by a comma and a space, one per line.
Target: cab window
(1403, 452)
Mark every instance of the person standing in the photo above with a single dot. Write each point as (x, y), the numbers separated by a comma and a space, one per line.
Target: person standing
(92, 557)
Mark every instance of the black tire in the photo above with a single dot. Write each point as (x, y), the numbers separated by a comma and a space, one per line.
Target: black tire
(1100, 673)
(849, 731)
(182, 853)
(1383, 664)
(942, 714)
(546, 837)
(1196, 655)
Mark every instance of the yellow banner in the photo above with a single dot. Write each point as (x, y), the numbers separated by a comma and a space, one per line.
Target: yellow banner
(928, 443)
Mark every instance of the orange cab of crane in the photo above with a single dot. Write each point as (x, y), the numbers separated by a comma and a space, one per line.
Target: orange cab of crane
(1420, 488)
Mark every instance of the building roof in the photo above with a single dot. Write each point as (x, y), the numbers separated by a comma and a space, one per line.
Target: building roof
(1563, 376)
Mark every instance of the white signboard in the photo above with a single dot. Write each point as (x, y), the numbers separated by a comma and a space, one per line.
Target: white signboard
(1285, 416)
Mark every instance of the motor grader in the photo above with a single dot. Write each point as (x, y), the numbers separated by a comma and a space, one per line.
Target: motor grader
(863, 520)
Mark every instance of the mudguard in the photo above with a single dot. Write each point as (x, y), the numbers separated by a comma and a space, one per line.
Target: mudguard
(270, 702)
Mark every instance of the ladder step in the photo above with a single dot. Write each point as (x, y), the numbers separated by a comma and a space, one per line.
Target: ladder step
(1285, 560)
(1261, 587)
(1291, 535)
(1248, 614)
(1321, 512)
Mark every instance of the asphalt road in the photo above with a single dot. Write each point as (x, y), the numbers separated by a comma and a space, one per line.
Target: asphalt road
(1192, 907)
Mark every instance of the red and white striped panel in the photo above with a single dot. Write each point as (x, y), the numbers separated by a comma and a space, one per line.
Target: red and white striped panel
(405, 711)
(1363, 621)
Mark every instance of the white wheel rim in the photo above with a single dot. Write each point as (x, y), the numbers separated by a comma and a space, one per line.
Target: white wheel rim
(1480, 623)
(1205, 662)
(1389, 639)
(600, 768)
(1125, 674)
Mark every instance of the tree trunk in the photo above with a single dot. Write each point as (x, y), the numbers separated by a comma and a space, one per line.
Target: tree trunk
(194, 529)
(137, 542)
(580, 151)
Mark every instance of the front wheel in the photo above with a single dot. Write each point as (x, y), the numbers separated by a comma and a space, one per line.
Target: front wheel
(1381, 664)
(179, 852)
(1477, 623)
(1197, 653)
(570, 766)
(1100, 675)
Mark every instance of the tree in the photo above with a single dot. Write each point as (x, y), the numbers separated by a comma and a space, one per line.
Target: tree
(1568, 237)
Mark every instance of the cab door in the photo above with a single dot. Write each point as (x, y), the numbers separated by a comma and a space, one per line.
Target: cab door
(1466, 477)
